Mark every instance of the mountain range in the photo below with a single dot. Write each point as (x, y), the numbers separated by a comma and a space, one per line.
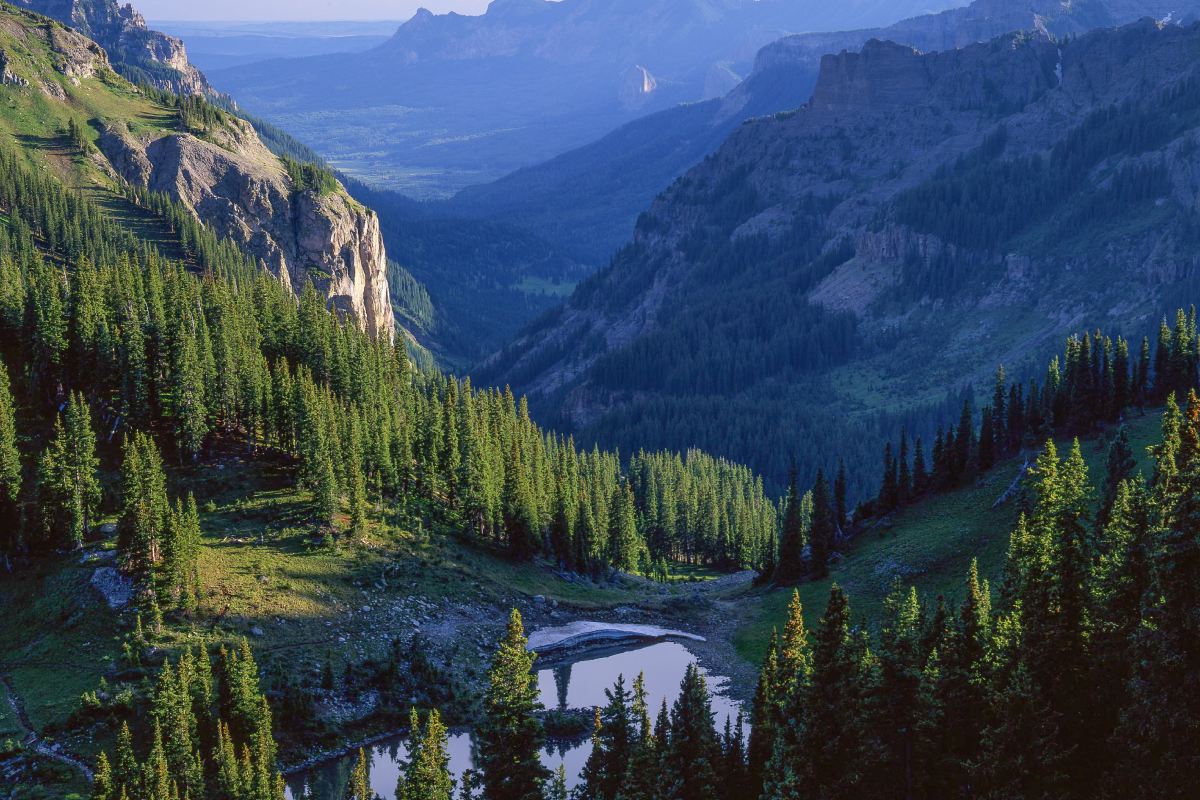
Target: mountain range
(830, 275)
(453, 100)
(586, 201)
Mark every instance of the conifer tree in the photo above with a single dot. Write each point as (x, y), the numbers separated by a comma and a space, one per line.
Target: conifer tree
(360, 779)
(832, 744)
(10, 464)
(68, 486)
(145, 510)
(824, 527)
(510, 736)
(693, 752)
(789, 564)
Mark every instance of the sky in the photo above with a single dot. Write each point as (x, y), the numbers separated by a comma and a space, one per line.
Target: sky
(274, 10)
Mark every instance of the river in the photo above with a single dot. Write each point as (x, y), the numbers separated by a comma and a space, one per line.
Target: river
(571, 683)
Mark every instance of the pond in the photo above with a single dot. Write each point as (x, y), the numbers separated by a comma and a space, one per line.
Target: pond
(567, 684)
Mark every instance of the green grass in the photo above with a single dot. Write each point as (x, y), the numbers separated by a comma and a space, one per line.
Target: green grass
(929, 545)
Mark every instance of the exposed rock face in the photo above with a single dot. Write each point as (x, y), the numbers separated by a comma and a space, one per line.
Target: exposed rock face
(811, 212)
(142, 54)
(636, 87)
(240, 189)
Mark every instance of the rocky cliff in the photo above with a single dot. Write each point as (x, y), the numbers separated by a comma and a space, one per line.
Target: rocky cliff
(924, 218)
(234, 184)
(139, 53)
(211, 162)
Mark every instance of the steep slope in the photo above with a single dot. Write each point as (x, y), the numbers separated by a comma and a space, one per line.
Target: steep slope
(924, 218)
(455, 100)
(138, 53)
(57, 81)
(588, 199)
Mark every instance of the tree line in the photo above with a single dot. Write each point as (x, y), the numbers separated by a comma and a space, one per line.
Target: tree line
(1093, 384)
(102, 330)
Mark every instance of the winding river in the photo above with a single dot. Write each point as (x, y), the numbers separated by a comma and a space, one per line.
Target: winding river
(583, 659)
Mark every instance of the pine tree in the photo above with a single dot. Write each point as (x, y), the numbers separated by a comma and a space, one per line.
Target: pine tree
(622, 532)
(789, 565)
(1121, 465)
(145, 510)
(68, 486)
(641, 781)
(824, 528)
(360, 779)
(832, 743)
(510, 736)
(896, 708)
(428, 775)
(10, 465)
(693, 751)
(839, 496)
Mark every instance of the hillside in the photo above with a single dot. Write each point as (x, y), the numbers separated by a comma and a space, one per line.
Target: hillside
(140, 54)
(931, 544)
(455, 100)
(923, 218)
(66, 110)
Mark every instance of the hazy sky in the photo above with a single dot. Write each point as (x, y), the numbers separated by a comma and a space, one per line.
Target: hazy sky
(299, 9)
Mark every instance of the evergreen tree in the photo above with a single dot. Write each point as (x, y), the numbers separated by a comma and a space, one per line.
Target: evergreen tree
(509, 735)
(789, 564)
(824, 528)
(68, 485)
(693, 752)
(10, 465)
(145, 510)
(360, 779)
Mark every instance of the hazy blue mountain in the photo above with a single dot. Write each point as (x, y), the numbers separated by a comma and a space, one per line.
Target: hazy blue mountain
(587, 200)
(452, 100)
(220, 45)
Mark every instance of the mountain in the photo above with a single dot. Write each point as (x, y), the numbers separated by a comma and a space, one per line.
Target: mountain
(924, 218)
(452, 100)
(586, 201)
(219, 45)
(72, 115)
(138, 53)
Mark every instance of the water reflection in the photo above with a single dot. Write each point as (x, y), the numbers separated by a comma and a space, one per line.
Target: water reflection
(578, 684)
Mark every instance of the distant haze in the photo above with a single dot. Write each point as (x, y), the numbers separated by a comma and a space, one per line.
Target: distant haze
(273, 10)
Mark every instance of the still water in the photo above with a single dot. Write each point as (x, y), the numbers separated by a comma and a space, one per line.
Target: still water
(577, 684)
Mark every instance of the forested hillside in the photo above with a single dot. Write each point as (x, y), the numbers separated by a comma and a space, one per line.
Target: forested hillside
(587, 200)
(833, 275)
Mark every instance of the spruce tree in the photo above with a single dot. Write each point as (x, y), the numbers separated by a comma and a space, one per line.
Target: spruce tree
(510, 735)
(68, 484)
(824, 527)
(10, 465)
(789, 564)
(145, 510)
(693, 752)
(360, 779)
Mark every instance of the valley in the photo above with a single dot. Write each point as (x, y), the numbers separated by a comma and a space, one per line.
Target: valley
(868, 467)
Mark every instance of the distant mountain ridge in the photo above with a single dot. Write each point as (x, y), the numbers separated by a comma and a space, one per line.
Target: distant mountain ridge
(924, 218)
(586, 200)
(453, 100)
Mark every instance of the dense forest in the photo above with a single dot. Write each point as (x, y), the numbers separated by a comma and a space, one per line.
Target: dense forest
(103, 327)
(1073, 678)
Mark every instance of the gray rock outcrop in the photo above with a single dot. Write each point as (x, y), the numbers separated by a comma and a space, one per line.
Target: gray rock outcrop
(238, 187)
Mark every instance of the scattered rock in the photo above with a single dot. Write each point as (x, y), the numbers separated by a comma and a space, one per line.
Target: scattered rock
(257, 631)
(114, 587)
